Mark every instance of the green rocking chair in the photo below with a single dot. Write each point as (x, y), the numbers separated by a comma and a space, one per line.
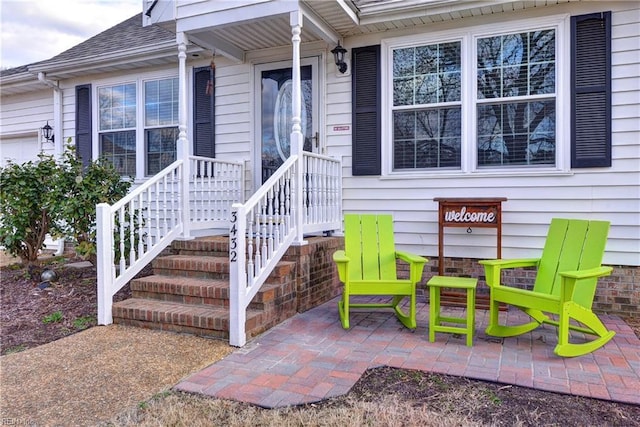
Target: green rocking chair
(367, 266)
(565, 285)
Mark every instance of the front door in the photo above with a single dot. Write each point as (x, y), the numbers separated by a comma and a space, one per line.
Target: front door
(274, 92)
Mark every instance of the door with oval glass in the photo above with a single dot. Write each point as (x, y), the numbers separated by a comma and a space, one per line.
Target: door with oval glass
(275, 111)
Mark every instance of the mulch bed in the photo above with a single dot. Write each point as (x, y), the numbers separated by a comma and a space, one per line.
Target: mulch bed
(33, 314)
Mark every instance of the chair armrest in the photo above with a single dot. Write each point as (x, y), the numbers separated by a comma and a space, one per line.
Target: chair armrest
(571, 290)
(409, 257)
(510, 263)
(342, 262)
(585, 274)
(494, 267)
(416, 264)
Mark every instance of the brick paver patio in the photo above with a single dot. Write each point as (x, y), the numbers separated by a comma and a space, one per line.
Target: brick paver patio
(310, 357)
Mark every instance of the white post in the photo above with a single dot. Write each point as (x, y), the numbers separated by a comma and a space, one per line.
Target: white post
(183, 142)
(297, 139)
(237, 276)
(104, 249)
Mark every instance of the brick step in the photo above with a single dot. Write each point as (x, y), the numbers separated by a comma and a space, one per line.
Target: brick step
(182, 289)
(200, 320)
(205, 267)
(217, 246)
(189, 290)
(209, 267)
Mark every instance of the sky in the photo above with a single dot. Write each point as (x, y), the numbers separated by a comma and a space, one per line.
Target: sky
(35, 30)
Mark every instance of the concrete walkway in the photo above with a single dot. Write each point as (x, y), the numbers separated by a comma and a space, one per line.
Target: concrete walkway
(310, 357)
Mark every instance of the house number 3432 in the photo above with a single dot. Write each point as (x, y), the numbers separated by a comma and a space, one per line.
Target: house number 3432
(233, 238)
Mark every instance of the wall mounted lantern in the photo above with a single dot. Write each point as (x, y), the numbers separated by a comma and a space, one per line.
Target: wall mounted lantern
(338, 56)
(47, 132)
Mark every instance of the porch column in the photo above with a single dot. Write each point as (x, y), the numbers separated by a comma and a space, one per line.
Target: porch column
(182, 145)
(297, 139)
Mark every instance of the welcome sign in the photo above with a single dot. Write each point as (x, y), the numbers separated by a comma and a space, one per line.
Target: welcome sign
(473, 214)
(482, 212)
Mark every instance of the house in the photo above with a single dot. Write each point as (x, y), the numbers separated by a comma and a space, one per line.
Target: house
(534, 101)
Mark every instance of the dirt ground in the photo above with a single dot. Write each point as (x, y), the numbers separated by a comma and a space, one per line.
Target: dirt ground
(31, 317)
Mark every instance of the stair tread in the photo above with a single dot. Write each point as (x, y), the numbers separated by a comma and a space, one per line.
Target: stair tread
(193, 281)
(183, 280)
(205, 257)
(208, 258)
(167, 306)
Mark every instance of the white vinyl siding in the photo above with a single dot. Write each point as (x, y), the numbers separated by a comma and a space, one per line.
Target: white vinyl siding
(533, 198)
(22, 117)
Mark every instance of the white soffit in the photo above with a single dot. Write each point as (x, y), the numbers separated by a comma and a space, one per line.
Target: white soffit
(378, 15)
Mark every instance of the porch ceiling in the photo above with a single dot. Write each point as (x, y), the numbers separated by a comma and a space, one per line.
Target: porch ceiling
(349, 18)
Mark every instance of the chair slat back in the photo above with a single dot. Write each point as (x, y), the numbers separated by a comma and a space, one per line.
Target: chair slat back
(572, 244)
(592, 254)
(369, 239)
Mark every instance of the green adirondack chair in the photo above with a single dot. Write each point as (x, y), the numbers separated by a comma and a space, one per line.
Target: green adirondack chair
(367, 266)
(566, 279)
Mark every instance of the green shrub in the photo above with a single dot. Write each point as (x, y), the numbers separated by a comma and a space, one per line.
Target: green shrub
(26, 206)
(59, 198)
(78, 190)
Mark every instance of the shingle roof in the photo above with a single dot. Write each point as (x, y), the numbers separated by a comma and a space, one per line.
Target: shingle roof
(13, 71)
(129, 34)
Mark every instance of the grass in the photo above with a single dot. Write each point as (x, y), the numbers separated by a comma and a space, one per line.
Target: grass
(54, 317)
(84, 322)
(180, 409)
(16, 349)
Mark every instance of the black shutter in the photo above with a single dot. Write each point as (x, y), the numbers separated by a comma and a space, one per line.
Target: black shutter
(591, 90)
(204, 112)
(83, 124)
(365, 118)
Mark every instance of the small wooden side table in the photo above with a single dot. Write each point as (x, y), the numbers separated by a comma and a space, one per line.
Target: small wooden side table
(436, 283)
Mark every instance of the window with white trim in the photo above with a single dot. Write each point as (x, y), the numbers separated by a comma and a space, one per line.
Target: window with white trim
(161, 120)
(483, 101)
(117, 126)
(426, 112)
(121, 123)
(516, 105)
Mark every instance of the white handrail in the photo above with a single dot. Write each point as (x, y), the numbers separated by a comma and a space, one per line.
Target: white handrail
(134, 230)
(262, 229)
(137, 228)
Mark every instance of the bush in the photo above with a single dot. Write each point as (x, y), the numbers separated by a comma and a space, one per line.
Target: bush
(59, 198)
(77, 192)
(26, 206)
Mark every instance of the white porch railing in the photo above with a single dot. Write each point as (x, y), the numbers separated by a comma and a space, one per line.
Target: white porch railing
(322, 193)
(215, 186)
(263, 228)
(136, 229)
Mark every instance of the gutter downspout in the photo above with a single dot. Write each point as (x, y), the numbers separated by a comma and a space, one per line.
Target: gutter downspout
(58, 146)
(57, 126)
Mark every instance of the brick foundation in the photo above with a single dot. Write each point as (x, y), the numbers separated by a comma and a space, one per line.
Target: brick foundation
(317, 277)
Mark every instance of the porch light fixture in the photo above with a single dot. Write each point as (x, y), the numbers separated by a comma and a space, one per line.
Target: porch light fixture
(47, 132)
(338, 56)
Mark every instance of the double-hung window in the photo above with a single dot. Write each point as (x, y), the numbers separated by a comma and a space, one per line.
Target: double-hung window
(426, 111)
(516, 104)
(127, 128)
(160, 120)
(472, 102)
(117, 116)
